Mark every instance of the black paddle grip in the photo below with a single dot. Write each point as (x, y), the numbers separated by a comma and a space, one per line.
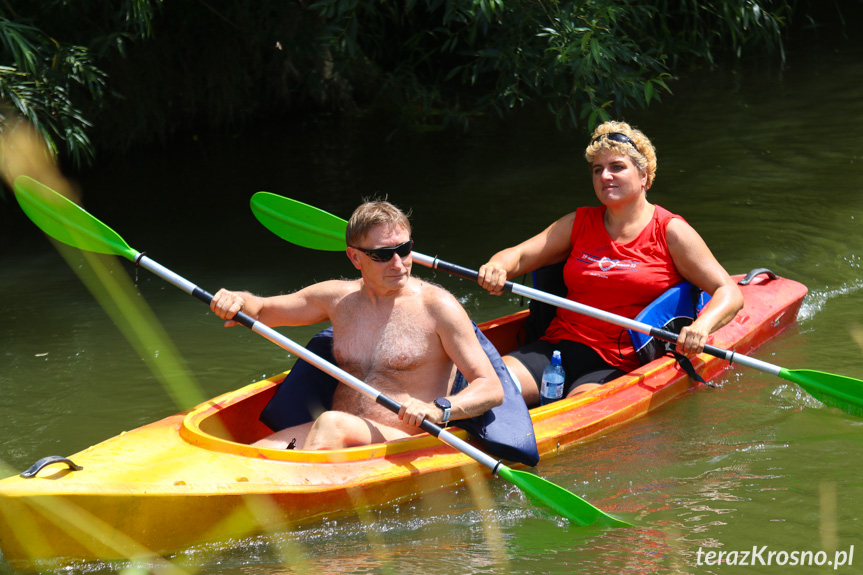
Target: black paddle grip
(394, 406)
(465, 273)
(241, 318)
(671, 337)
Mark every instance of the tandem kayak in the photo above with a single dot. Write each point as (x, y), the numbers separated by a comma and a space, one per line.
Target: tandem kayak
(193, 477)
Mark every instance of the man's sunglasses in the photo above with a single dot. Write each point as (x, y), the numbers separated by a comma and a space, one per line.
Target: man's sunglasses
(386, 254)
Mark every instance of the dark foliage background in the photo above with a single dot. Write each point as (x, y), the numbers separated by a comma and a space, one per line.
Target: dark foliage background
(106, 76)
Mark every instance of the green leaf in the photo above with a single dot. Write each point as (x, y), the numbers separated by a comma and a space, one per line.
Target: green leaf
(595, 51)
(321, 5)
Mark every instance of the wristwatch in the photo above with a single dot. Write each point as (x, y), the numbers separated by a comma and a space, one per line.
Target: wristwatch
(446, 406)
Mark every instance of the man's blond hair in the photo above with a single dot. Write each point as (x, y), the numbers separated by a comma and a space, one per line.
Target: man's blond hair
(370, 214)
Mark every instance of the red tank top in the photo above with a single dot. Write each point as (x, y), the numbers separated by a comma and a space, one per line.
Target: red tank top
(618, 278)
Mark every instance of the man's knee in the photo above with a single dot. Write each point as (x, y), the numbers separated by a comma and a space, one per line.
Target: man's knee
(332, 430)
(336, 420)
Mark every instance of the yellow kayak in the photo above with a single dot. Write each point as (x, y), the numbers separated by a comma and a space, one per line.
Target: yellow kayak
(193, 477)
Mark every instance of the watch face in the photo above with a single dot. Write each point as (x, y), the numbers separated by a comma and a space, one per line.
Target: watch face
(443, 403)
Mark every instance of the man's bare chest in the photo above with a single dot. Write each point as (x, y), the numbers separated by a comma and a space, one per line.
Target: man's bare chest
(399, 341)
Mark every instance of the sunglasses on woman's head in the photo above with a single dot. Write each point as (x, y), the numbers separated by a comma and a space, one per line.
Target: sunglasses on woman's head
(617, 137)
(386, 254)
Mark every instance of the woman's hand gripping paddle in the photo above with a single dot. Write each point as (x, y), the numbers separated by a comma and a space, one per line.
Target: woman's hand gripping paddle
(65, 221)
(313, 228)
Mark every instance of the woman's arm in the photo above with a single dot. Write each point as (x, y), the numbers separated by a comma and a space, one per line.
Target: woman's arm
(550, 246)
(696, 263)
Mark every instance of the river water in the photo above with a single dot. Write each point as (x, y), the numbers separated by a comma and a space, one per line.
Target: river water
(768, 166)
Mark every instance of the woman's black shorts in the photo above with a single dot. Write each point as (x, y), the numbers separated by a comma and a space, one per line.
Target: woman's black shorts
(580, 362)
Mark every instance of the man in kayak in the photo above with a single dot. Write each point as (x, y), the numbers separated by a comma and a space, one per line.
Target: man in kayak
(399, 334)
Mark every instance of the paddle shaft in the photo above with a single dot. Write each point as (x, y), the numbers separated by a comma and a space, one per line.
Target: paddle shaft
(319, 362)
(665, 335)
(314, 228)
(311, 227)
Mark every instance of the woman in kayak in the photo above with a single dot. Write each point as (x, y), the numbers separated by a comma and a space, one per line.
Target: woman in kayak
(619, 257)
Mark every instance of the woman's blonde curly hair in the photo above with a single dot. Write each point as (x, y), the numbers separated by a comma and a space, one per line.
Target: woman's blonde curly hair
(643, 154)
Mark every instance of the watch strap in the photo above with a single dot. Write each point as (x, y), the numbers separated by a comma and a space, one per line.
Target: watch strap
(445, 405)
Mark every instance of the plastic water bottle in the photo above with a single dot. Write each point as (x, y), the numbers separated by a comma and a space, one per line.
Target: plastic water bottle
(552, 381)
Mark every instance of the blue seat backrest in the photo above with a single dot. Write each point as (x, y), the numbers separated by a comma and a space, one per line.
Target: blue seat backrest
(674, 309)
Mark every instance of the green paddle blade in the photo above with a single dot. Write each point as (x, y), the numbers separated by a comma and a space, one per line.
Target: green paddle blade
(840, 391)
(67, 222)
(558, 499)
(299, 223)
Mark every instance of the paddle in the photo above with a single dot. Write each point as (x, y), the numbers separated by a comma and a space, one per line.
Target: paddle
(311, 227)
(65, 221)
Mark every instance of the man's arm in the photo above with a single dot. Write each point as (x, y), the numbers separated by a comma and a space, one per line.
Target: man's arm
(460, 343)
(304, 307)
